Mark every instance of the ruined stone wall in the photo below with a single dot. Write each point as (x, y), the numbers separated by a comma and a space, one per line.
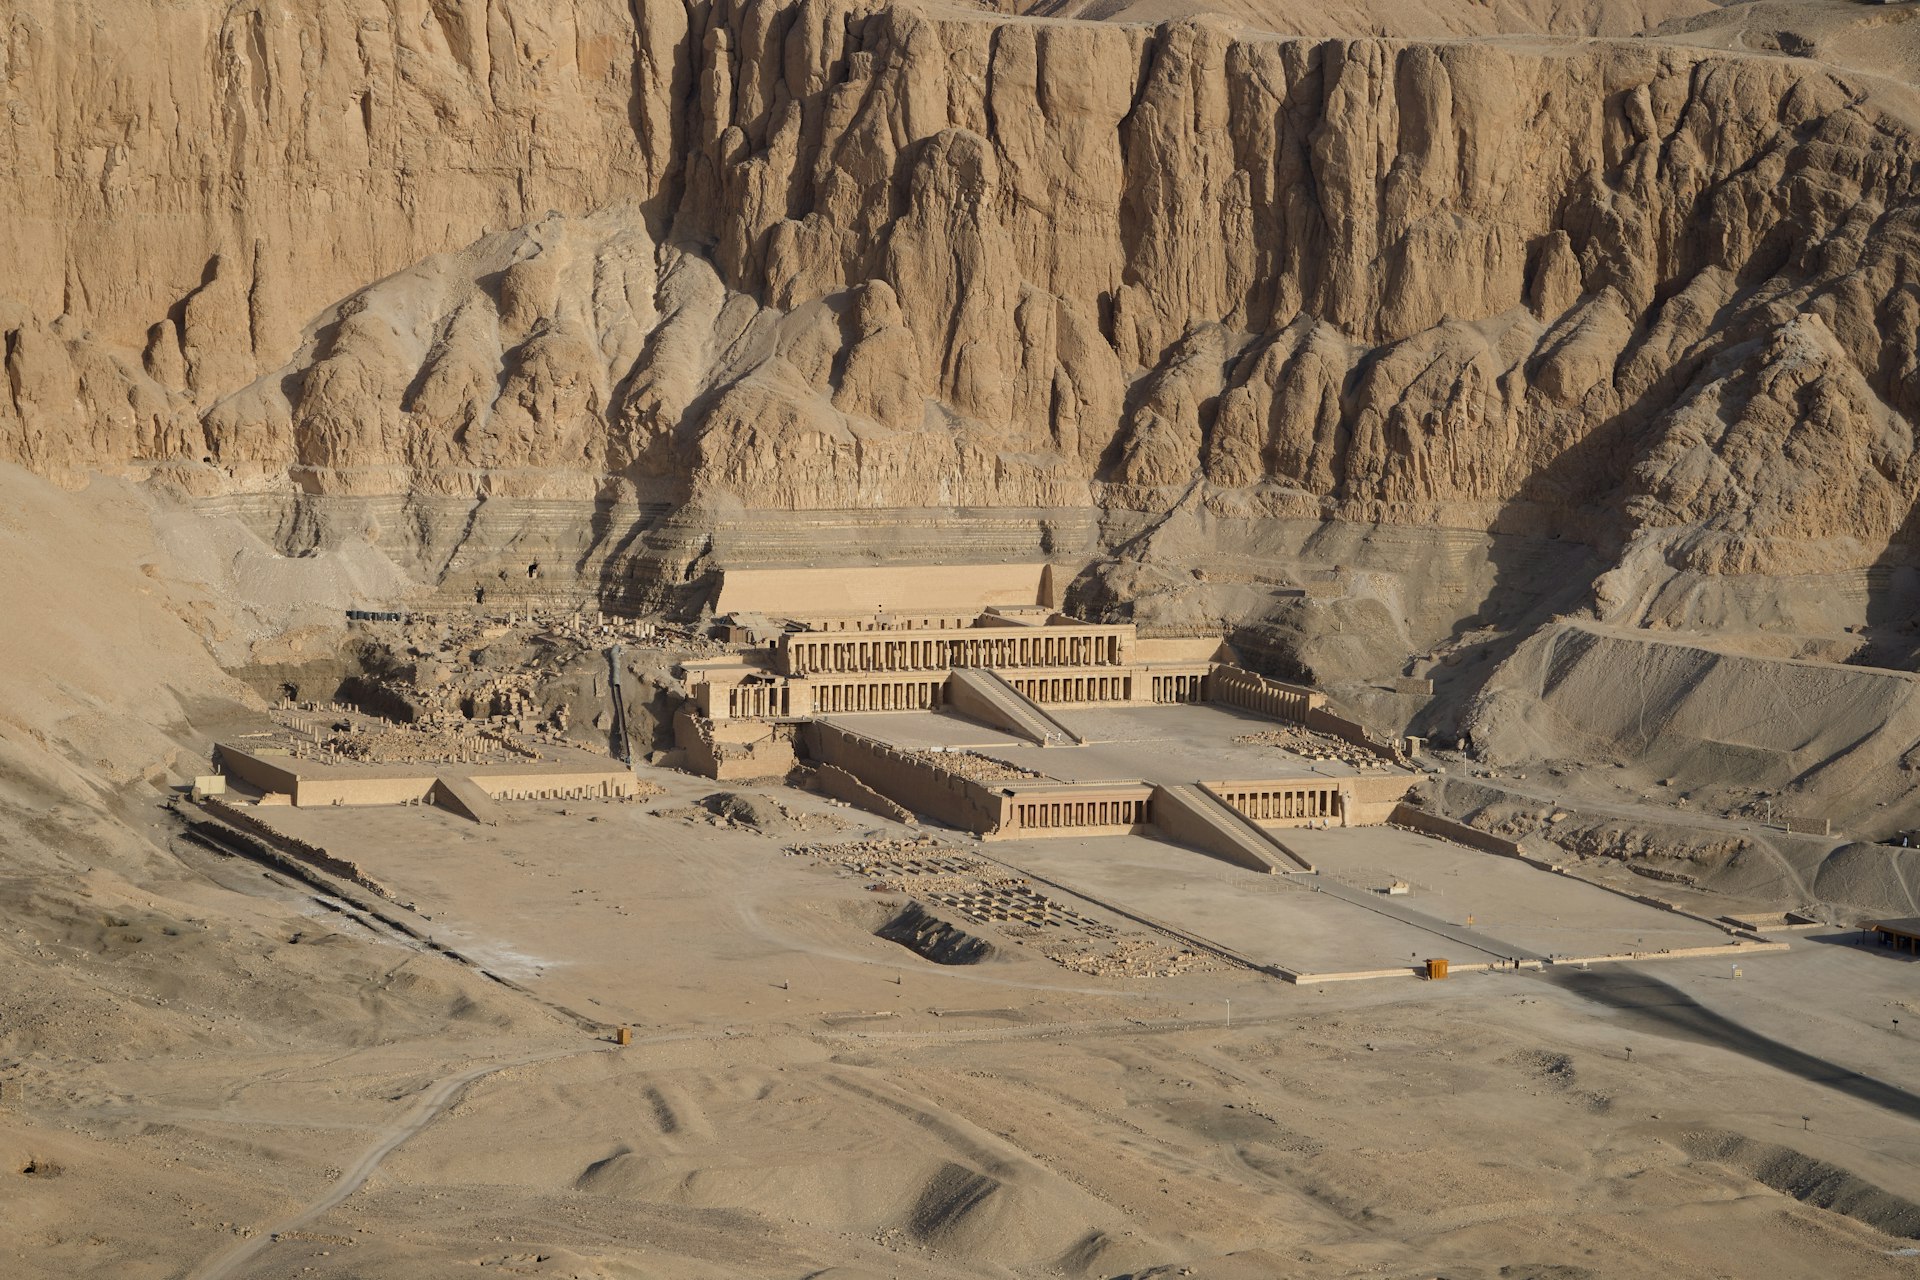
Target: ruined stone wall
(957, 801)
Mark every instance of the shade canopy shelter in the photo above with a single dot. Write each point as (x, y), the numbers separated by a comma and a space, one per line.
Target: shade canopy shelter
(1902, 934)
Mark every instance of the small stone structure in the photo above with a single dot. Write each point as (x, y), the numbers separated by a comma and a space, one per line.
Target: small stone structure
(342, 757)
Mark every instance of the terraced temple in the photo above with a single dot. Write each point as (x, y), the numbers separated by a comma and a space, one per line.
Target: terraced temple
(886, 698)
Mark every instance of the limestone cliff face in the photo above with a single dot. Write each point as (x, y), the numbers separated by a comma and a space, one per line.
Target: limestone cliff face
(184, 187)
(824, 254)
(1368, 278)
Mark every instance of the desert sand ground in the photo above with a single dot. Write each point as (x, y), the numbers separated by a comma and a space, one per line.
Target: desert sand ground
(209, 1069)
(803, 1098)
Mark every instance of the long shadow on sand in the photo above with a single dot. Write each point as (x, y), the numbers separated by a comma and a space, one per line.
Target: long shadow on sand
(1659, 1008)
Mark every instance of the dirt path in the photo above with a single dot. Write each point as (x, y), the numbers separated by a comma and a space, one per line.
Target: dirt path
(429, 1108)
(445, 1092)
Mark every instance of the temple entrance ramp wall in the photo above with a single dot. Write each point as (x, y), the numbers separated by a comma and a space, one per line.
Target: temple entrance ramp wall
(461, 795)
(986, 697)
(1189, 814)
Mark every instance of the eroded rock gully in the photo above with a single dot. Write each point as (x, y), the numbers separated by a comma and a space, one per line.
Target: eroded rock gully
(835, 255)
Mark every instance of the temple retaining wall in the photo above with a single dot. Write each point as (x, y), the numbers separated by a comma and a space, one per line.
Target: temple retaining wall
(804, 591)
(1433, 824)
(908, 780)
(305, 850)
(732, 750)
(551, 785)
(1295, 704)
(1321, 720)
(263, 773)
(841, 785)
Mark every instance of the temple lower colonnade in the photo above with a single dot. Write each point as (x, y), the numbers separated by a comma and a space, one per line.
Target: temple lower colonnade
(1279, 804)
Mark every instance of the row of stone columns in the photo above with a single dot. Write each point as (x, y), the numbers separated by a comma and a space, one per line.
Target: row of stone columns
(877, 695)
(1310, 802)
(1244, 689)
(806, 655)
(1076, 688)
(1179, 688)
(751, 701)
(1081, 813)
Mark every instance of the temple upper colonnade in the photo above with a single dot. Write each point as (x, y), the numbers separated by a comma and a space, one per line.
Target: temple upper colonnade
(1002, 648)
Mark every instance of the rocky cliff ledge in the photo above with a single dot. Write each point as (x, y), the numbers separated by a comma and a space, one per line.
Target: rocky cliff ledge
(821, 254)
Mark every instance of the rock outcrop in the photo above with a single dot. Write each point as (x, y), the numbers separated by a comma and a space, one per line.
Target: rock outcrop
(820, 253)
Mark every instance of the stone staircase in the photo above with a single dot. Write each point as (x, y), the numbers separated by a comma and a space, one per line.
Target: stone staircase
(460, 794)
(987, 697)
(1188, 814)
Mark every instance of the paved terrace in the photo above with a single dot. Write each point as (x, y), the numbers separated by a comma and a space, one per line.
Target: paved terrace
(1163, 744)
(1335, 923)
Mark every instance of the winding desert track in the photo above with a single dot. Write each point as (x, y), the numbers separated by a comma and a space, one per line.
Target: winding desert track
(429, 1108)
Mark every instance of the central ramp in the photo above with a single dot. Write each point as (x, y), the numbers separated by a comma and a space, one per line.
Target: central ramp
(1189, 814)
(988, 698)
(460, 794)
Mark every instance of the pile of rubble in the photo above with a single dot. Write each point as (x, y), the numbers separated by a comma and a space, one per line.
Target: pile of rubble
(1313, 746)
(338, 734)
(977, 767)
(905, 865)
(1129, 958)
(498, 669)
(731, 810)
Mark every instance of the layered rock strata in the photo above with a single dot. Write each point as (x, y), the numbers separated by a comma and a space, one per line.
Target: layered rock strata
(831, 255)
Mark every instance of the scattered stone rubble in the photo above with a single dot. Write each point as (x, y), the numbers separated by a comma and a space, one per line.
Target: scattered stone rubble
(929, 870)
(1313, 746)
(921, 858)
(977, 767)
(481, 667)
(1129, 958)
(732, 811)
(332, 732)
